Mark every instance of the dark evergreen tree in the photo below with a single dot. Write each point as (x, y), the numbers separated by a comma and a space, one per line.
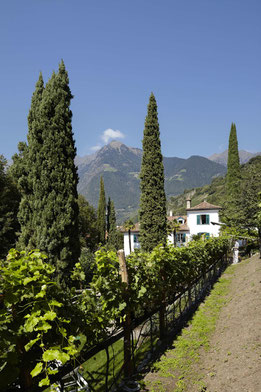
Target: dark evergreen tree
(101, 214)
(152, 211)
(9, 203)
(231, 213)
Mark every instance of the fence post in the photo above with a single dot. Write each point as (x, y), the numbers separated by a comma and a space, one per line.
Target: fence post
(162, 311)
(128, 364)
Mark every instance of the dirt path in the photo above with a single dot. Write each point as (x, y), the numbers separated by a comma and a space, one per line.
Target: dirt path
(233, 362)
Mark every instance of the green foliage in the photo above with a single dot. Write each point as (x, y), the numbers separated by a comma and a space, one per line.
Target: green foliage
(40, 322)
(101, 214)
(153, 200)
(33, 328)
(87, 224)
(9, 203)
(169, 269)
(87, 265)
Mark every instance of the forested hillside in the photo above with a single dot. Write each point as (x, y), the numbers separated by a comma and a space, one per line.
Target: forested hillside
(214, 193)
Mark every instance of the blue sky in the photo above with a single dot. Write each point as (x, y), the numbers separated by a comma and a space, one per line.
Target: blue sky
(202, 60)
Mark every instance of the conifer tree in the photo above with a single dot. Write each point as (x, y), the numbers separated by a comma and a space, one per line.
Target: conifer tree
(56, 191)
(101, 214)
(232, 209)
(152, 211)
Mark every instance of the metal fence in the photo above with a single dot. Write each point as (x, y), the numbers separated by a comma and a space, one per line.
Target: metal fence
(118, 362)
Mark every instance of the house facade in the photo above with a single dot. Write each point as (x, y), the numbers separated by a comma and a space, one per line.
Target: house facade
(201, 219)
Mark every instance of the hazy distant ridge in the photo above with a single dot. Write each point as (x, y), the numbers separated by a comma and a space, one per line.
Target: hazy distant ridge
(244, 157)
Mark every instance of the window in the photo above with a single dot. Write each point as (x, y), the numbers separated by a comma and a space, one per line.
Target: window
(181, 237)
(180, 220)
(202, 219)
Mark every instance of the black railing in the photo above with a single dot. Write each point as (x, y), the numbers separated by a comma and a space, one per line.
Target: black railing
(104, 366)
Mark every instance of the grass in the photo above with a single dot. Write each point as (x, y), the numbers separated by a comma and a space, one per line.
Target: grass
(177, 365)
(94, 370)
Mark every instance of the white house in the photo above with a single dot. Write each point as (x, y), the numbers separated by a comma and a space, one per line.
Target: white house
(200, 219)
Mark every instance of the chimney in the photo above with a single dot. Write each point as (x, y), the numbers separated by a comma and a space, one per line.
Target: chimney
(170, 213)
(188, 201)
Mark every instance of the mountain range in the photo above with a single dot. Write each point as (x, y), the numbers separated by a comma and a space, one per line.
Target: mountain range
(120, 166)
(244, 157)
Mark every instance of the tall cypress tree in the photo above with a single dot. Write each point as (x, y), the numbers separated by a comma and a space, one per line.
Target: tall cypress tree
(101, 214)
(232, 209)
(111, 225)
(152, 211)
(55, 175)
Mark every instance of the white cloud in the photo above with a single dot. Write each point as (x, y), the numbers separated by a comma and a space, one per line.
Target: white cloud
(111, 134)
(95, 148)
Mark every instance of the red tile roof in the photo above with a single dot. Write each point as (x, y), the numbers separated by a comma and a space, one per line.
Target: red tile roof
(204, 206)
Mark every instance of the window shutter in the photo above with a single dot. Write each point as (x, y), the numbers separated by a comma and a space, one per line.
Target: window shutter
(198, 219)
(207, 219)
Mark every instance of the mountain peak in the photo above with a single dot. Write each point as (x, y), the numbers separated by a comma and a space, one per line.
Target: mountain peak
(116, 144)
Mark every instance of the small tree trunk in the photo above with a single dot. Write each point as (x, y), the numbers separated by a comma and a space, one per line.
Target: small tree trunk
(130, 240)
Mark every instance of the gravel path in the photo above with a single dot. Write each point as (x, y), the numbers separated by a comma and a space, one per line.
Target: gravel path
(233, 362)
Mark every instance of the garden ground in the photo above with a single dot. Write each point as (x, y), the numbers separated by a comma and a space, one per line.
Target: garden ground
(220, 350)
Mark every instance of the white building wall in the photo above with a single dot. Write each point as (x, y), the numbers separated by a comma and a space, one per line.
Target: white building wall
(134, 245)
(213, 230)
